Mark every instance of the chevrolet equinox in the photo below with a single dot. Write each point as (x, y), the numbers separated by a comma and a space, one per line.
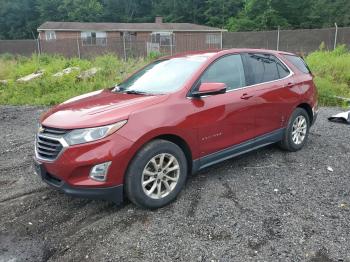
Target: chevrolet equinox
(175, 116)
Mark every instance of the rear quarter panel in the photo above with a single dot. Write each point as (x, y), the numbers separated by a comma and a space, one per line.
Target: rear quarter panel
(304, 86)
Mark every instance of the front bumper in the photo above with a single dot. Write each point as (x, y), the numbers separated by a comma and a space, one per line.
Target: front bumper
(114, 194)
(74, 163)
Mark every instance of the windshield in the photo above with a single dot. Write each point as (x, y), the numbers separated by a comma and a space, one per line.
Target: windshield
(163, 76)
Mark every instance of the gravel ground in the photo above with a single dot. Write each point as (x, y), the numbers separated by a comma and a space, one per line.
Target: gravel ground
(267, 205)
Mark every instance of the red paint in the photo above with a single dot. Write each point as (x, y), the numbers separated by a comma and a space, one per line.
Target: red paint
(207, 124)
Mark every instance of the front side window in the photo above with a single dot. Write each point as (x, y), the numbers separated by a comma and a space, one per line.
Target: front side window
(228, 70)
(50, 35)
(163, 76)
(264, 68)
(94, 38)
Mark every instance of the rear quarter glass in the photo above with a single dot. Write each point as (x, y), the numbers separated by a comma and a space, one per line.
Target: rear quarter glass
(299, 63)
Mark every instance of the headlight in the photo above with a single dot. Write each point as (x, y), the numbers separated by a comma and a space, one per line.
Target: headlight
(80, 136)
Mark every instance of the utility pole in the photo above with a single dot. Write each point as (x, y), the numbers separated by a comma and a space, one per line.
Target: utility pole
(78, 47)
(124, 46)
(278, 38)
(336, 36)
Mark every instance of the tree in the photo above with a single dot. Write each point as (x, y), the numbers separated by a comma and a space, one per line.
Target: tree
(294, 12)
(325, 13)
(18, 19)
(128, 10)
(218, 12)
(81, 10)
(49, 10)
(178, 10)
(257, 15)
(241, 23)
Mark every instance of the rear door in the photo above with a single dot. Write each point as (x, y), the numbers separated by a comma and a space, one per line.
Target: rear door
(274, 92)
(226, 119)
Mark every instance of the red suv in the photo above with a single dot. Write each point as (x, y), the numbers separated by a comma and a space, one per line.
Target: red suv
(173, 117)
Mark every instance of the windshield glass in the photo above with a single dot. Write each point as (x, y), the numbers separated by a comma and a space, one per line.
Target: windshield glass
(163, 76)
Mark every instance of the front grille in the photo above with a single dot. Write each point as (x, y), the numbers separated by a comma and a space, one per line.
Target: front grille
(48, 148)
(49, 141)
(53, 131)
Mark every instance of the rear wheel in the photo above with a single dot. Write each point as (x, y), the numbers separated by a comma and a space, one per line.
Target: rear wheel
(297, 131)
(156, 175)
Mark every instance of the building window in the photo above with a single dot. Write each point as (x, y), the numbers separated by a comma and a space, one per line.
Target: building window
(129, 36)
(213, 39)
(94, 38)
(50, 35)
(162, 38)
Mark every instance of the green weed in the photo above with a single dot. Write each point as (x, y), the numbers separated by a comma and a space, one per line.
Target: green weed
(331, 70)
(332, 74)
(50, 90)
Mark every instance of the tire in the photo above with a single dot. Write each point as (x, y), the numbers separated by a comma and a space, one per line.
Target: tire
(290, 144)
(143, 169)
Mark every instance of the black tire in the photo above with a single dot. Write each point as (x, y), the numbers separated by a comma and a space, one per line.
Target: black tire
(133, 179)
(287, 142)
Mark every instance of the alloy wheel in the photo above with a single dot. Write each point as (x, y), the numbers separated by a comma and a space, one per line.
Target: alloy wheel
(299, 130)
(160, 176)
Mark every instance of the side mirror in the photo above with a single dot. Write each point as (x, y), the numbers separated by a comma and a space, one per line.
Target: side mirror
(206, 89)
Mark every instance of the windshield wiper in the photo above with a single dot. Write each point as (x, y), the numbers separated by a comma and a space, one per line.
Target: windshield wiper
(135, 92)
(116, 88)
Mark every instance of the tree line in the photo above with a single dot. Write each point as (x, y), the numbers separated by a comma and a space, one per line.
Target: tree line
(20, 18)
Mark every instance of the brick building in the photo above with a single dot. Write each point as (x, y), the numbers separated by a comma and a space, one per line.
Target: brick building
(72, 38)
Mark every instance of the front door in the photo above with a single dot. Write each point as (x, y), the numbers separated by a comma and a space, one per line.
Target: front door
(227, 119)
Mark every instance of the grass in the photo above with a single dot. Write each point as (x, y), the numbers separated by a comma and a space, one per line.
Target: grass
(332, 74)
(50, 90)
(331, 70)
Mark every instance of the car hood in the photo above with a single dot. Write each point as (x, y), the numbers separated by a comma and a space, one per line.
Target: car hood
(97, 108)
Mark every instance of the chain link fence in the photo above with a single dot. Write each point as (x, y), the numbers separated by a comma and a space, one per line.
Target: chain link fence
(20, 47)
(297, 41)
(129, 47)
(123, 47)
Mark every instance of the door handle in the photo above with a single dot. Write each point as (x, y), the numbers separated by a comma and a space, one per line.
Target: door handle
(245, 96)
(289, 85)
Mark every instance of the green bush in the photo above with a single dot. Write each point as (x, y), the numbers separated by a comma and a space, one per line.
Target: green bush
(154, 55)
(7, 56)
(332, 74)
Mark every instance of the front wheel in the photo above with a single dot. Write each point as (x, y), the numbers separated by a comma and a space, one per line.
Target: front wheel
(297, 131)
(156, 175)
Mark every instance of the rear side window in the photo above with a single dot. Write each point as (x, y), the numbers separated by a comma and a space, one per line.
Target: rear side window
(299, 63)
(282, 70)
(264, 68)
(228, 70)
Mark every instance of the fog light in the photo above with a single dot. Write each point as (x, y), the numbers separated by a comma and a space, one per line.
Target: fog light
(99, 172)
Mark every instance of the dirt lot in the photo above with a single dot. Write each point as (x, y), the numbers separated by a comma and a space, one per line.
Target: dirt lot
(267, 205)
